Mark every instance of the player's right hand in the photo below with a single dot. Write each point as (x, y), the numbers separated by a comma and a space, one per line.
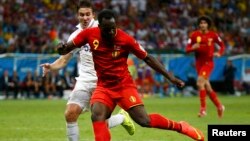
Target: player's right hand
(195, 46)
(178, 82)
(46, 68)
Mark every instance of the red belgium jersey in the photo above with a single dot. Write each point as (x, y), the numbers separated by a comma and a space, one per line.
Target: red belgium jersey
(207, 41)
(110, 58)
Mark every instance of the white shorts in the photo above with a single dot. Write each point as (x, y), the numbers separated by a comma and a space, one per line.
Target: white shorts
(81, 94)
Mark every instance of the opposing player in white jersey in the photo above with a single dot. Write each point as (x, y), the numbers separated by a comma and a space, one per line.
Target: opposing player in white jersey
(86, 82)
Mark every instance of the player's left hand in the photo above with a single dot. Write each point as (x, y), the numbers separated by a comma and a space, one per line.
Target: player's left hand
(178, 82)
(216, 54)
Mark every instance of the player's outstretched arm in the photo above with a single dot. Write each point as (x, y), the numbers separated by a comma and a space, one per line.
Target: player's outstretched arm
(61, 62)
(157, 66)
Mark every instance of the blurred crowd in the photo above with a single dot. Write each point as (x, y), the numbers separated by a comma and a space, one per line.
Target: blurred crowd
(36, 26)
(34, 86)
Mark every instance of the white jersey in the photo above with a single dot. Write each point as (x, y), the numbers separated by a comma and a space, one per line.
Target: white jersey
(85, 65)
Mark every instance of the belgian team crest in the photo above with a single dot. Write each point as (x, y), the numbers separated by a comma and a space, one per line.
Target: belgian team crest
(198, 39)
(116, 51)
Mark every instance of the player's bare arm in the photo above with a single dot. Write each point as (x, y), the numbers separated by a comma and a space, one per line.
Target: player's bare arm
(157, 66)
(56, 65)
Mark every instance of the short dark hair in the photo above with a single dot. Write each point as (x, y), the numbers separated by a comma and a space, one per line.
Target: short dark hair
(205, 18)
(85, 4)
(107, 14)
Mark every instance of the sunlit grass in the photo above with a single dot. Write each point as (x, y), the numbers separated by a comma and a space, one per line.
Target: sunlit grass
(43, 120)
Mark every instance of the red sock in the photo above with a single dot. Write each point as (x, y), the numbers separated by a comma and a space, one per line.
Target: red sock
(203, 99)
(101, 131)
(158, 121)
(214, 98)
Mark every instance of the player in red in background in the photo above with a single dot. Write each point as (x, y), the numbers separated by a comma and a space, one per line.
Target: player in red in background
(202, 43)
(110, 49)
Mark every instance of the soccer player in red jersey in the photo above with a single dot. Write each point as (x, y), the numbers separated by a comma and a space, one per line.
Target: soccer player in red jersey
(79, 98)
(110, 48)
(202, 43)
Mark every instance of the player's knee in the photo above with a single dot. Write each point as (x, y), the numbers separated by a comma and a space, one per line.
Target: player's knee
(144, 122)
(71, 116)
(200, 84)
(98, 116)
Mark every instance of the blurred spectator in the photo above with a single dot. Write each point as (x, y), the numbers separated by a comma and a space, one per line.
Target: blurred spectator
(5, 80)
(132, 68)
(10, 83)
(139, 80)
(61, 86)
(28, 85)
(38, 87)
(246, 87)
(15, 84)
(229, 76)
(52, 86)
(49, 89)
(69, 80)
(64, 82)
(159, 81)
(145, 80)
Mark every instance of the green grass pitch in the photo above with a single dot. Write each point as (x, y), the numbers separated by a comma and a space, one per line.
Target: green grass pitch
(43, 120)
